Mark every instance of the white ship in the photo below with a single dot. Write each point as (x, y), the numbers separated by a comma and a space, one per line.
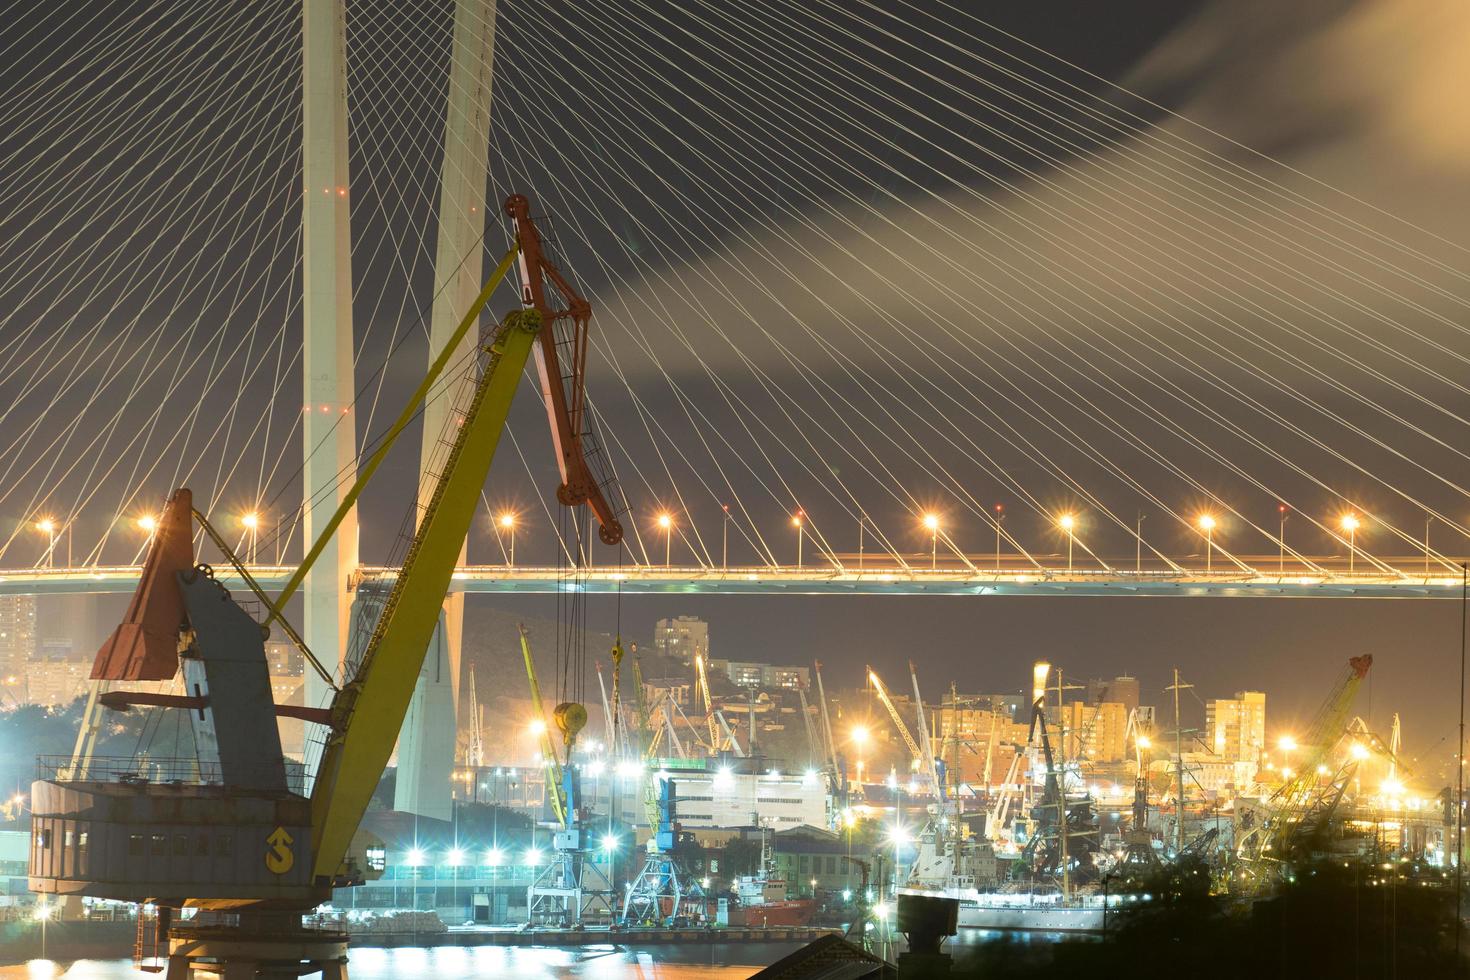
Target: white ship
(971, 872)
(1020, 911)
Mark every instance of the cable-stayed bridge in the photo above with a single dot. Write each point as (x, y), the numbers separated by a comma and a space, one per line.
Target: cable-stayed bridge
(884, 297)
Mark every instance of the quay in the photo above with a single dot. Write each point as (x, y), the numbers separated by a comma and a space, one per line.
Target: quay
(480, 936)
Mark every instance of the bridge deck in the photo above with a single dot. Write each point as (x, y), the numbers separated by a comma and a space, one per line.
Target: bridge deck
(1329, 579)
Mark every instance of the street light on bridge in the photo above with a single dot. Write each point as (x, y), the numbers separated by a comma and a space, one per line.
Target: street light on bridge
(1207, 525)
(48, 527)
(148, 524)
(251, 523)
(1068, 523)
(798, 521)
(507, 523)
(931, 524)
(666, 522)
(1350, 524)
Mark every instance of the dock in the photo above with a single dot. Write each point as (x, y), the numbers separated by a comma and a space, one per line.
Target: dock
(480, 936)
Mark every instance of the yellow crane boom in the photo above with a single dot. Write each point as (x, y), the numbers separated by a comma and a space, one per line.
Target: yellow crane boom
(555, 790)
(701, 676)
(903, 729)
(368, 712)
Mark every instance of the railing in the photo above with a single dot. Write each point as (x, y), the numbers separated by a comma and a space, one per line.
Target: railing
(139, 771)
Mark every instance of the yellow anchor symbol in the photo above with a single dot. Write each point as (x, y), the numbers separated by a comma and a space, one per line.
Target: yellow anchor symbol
(279, 859)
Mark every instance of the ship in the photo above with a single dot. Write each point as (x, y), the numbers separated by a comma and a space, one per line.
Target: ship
(969, 871)
(764, 898)
(1019, 910)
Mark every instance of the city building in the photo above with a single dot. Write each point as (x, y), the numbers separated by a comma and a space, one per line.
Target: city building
(974, 730)
(680, 690)
(1015, 706)
(52, 683)
(17, 633)
(751, 674)
(724, 797)
(1123, 690)
(683, 638)
(1235, 728)
(1095, 732)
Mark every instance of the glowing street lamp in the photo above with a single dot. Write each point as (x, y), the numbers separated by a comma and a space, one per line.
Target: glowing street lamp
(798, 521)
(1206, 524)
(48, 527)
(1281, 540)
(147, 524)
(507, 525)
(931, 524)
(666, 522)
(1350, 524)
(1000, 515)
(1068, 523)
(251, 522)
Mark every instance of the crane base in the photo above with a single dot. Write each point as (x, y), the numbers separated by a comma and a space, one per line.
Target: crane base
(263, 947)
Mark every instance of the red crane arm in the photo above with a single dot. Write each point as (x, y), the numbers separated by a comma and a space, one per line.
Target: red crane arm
(563, 387)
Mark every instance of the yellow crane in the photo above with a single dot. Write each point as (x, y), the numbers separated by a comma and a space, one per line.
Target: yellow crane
(701, 679)
(570, 718)
(1273, 834)
(368, 712)
(903, 730)
(181, 612)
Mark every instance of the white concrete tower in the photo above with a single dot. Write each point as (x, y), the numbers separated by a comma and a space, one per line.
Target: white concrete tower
(426, 747)
(328, 422)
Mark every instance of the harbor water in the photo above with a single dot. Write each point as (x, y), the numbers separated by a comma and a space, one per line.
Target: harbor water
(705, 962)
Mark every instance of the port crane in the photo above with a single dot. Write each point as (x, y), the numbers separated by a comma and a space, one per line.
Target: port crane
(236, 830)
(1274, 834)
(706, 701)
(915, 752)
(569, 888)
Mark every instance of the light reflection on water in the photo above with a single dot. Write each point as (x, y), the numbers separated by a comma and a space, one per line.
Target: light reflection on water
(719, 961)
(703, 962)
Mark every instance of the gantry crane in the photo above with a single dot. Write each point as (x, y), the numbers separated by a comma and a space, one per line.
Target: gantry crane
(273, 851)
(569, 888)
(656, 894)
